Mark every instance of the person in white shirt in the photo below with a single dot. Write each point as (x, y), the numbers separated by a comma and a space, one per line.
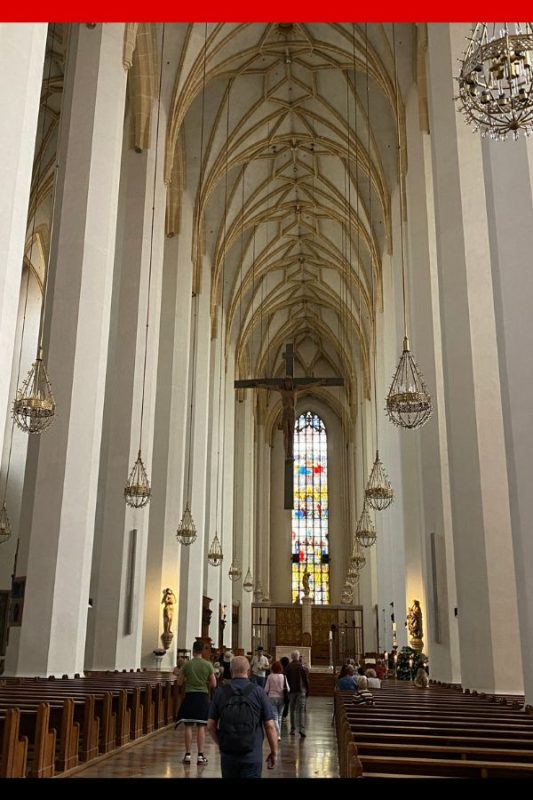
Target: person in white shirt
(259, 667)
(373, 680)
(276, 688)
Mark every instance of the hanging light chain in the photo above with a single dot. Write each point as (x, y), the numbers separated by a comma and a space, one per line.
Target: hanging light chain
(408, 402)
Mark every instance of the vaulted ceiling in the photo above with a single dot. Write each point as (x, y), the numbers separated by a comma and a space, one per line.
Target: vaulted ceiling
(295, 139)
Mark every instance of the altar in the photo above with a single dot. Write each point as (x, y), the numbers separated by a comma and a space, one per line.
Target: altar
(285, 650)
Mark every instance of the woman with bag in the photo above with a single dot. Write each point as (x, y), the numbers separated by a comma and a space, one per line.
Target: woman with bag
(276, 685)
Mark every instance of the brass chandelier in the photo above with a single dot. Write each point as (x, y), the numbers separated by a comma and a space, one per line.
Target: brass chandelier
(365, 533)
(235, 571)
(408, 403)
(358, 560)
(186, 532)
(379, 493)
(215, 555)
(496, 80)
(248, 583)
(5, 524)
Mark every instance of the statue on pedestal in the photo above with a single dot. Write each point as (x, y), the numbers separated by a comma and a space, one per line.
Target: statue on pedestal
(305, 583)
(414, 624)
(168, 602)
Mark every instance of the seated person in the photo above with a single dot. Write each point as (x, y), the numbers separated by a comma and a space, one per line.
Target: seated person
(421, 679)
(346, 682)
(372, 679)
(381, 670)
(363, 696)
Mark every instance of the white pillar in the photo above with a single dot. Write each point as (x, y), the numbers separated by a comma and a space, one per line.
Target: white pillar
(121, 532)
(432, 531)
(226, 588)
(509, 175)
(485, 575)
(280, 527)
(212, 574)
(57, 521)
(262, 497)
(22, 51)
(170, 436)
(244, 465)
(192, 557)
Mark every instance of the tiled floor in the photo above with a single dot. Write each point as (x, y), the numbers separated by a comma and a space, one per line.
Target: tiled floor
(160, 756)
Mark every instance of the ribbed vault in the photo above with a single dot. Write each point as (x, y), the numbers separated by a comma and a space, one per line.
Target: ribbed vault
(290, 158)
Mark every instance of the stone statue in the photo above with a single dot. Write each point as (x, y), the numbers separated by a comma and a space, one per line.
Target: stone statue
(168, 602)
(305, 583)
(414, 624)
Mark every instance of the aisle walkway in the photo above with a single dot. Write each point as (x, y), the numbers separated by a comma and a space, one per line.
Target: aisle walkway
(160, 756)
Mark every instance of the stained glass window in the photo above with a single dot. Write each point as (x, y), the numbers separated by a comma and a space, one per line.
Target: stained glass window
(310, 545)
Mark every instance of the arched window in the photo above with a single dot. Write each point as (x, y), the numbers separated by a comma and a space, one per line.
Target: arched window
(310, 544)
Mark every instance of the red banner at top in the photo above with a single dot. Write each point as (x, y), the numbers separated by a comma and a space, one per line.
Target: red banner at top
(245, 11)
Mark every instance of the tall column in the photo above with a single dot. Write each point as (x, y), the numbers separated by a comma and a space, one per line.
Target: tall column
(212, 574)
(509, 174)
(244, 465)
(120, 546)
(57, 521)
(22, 51)
(262, 526)
(169, 463)
(487, 613)
(432, 532)
(227, 586)
(280, 527)
(192, 557)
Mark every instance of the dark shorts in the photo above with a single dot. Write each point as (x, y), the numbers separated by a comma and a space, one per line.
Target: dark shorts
(194, 709)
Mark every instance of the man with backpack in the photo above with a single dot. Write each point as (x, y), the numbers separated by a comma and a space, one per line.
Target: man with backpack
(239, 712)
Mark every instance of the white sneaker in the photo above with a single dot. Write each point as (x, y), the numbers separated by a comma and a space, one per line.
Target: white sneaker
(201, 760)
(186, 758)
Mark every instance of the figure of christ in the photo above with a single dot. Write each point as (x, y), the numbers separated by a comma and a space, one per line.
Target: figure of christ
(289, 394)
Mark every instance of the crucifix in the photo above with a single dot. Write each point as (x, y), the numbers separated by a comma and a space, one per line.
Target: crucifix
(288, 387)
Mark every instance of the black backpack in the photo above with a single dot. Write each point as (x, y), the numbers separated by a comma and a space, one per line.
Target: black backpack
(238, 720)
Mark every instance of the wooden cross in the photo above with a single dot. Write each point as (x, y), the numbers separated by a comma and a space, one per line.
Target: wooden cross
(288, 387)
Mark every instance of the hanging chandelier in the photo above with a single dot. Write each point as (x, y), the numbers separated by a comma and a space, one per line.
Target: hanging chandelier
(235, 571)
(5, 525)
(186, 533)
(352, 576)
(34, 406)
(379, 493)
(408, 402)
(347, 594)
(137, 491)
(496, 80)
(365, 533)
(248, 583)
(214, 554)
(358, 560)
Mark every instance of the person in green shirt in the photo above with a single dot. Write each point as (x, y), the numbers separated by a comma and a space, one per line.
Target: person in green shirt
(198, 676)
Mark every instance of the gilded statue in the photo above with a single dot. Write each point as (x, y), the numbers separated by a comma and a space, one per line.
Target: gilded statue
(168, 602)
(414, 624)
(305, 583)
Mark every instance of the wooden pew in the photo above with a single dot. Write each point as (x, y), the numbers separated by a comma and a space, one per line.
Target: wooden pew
(14, 751)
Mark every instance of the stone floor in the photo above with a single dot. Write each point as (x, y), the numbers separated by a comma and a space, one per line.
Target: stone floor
(160, 756)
